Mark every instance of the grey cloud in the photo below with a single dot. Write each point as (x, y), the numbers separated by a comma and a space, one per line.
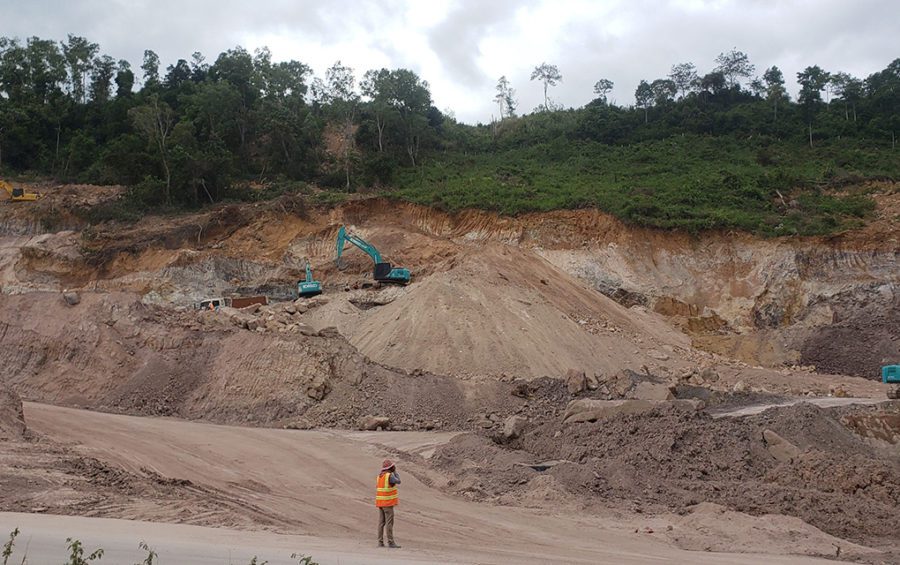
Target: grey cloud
(456, 40)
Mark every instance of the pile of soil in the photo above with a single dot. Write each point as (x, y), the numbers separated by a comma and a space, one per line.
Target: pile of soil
(672, 459)
(112, 352)
(12, 418)
(501, 310)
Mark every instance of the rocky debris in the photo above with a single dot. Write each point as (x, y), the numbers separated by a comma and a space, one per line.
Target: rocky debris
(591, 410)
(513, 427)
(781, 449)
(669, 458)
(375, 423)
(576, 381)
(71, 298)
(12, 416)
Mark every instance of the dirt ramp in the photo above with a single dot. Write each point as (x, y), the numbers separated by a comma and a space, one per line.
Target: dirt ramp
(12, 418)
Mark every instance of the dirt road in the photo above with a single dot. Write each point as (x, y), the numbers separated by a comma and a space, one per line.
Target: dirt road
(316, 484)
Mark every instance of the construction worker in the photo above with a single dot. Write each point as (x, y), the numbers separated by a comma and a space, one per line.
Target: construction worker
(386, 498)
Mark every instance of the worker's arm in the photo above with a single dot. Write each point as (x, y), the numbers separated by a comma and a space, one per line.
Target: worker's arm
(394, 479)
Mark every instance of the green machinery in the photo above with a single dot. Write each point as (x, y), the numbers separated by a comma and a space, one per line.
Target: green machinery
(384, 271)
(309, 287)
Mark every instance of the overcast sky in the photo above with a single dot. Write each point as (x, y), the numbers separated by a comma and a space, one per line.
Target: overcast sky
(461, 47)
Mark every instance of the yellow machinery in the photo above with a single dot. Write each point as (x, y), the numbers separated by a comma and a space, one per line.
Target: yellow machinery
(18, 194)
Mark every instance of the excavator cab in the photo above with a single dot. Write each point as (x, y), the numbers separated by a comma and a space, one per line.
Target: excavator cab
(309, 287)
(384, 272)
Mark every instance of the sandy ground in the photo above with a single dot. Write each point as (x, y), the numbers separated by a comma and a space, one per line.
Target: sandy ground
(319, 483)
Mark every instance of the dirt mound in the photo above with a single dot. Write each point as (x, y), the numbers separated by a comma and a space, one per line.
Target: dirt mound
(711, 527)
(500, 310)
(672, 459)
(12, 418)
(113, 352)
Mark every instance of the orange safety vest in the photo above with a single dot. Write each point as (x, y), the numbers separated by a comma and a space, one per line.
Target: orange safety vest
(385, 494)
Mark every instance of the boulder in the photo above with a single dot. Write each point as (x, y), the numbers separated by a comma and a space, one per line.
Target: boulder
(709, 375)
(650, 391)
(658, 355)
(290, 309)
(330, 331)
(318, 388)
(71, 298)
(306, 329)
(576, 381)
(781, 449)
(372, 423)
(514, 426)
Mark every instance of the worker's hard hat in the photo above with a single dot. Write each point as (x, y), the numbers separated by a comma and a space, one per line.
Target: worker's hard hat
(387, 464)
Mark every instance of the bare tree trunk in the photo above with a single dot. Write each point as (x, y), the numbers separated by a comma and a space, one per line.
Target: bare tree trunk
(646, 115)
(56, 154)
(546, 107)
(810, 134)
(379, 123)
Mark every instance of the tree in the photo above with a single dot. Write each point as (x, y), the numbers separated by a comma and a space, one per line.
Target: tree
(684, 76)
(734, 65)
(338, 92)
(400, 94)
(663, 91)
(713, 83)
(155, 121)
(643, 97)
(812, 81)
(775, 92)
(506, 98)
(848, 89)
(549, 75)
(150, 68)
(79, 54)
(101, 78)
(124, 79)
(603, 87)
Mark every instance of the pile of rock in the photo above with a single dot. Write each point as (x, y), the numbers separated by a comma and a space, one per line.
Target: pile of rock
(282, 317)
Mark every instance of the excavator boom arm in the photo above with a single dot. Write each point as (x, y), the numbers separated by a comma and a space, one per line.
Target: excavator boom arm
(366, 247)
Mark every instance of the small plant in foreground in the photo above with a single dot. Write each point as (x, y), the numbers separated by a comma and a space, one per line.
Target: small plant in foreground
(8, 546)
(151, 555)
(76, 553)
(303, 559)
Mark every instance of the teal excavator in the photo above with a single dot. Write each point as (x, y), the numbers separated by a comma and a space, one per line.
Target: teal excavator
(309, 287)
(384, 271)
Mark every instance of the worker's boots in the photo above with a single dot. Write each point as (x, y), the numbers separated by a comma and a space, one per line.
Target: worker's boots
(393, 545)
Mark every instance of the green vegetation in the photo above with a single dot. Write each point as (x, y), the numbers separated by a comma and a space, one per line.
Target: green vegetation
(76, 554)
(723, 150)
(687, 182)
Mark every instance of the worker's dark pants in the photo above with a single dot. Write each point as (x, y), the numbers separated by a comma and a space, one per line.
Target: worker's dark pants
(386, 523)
